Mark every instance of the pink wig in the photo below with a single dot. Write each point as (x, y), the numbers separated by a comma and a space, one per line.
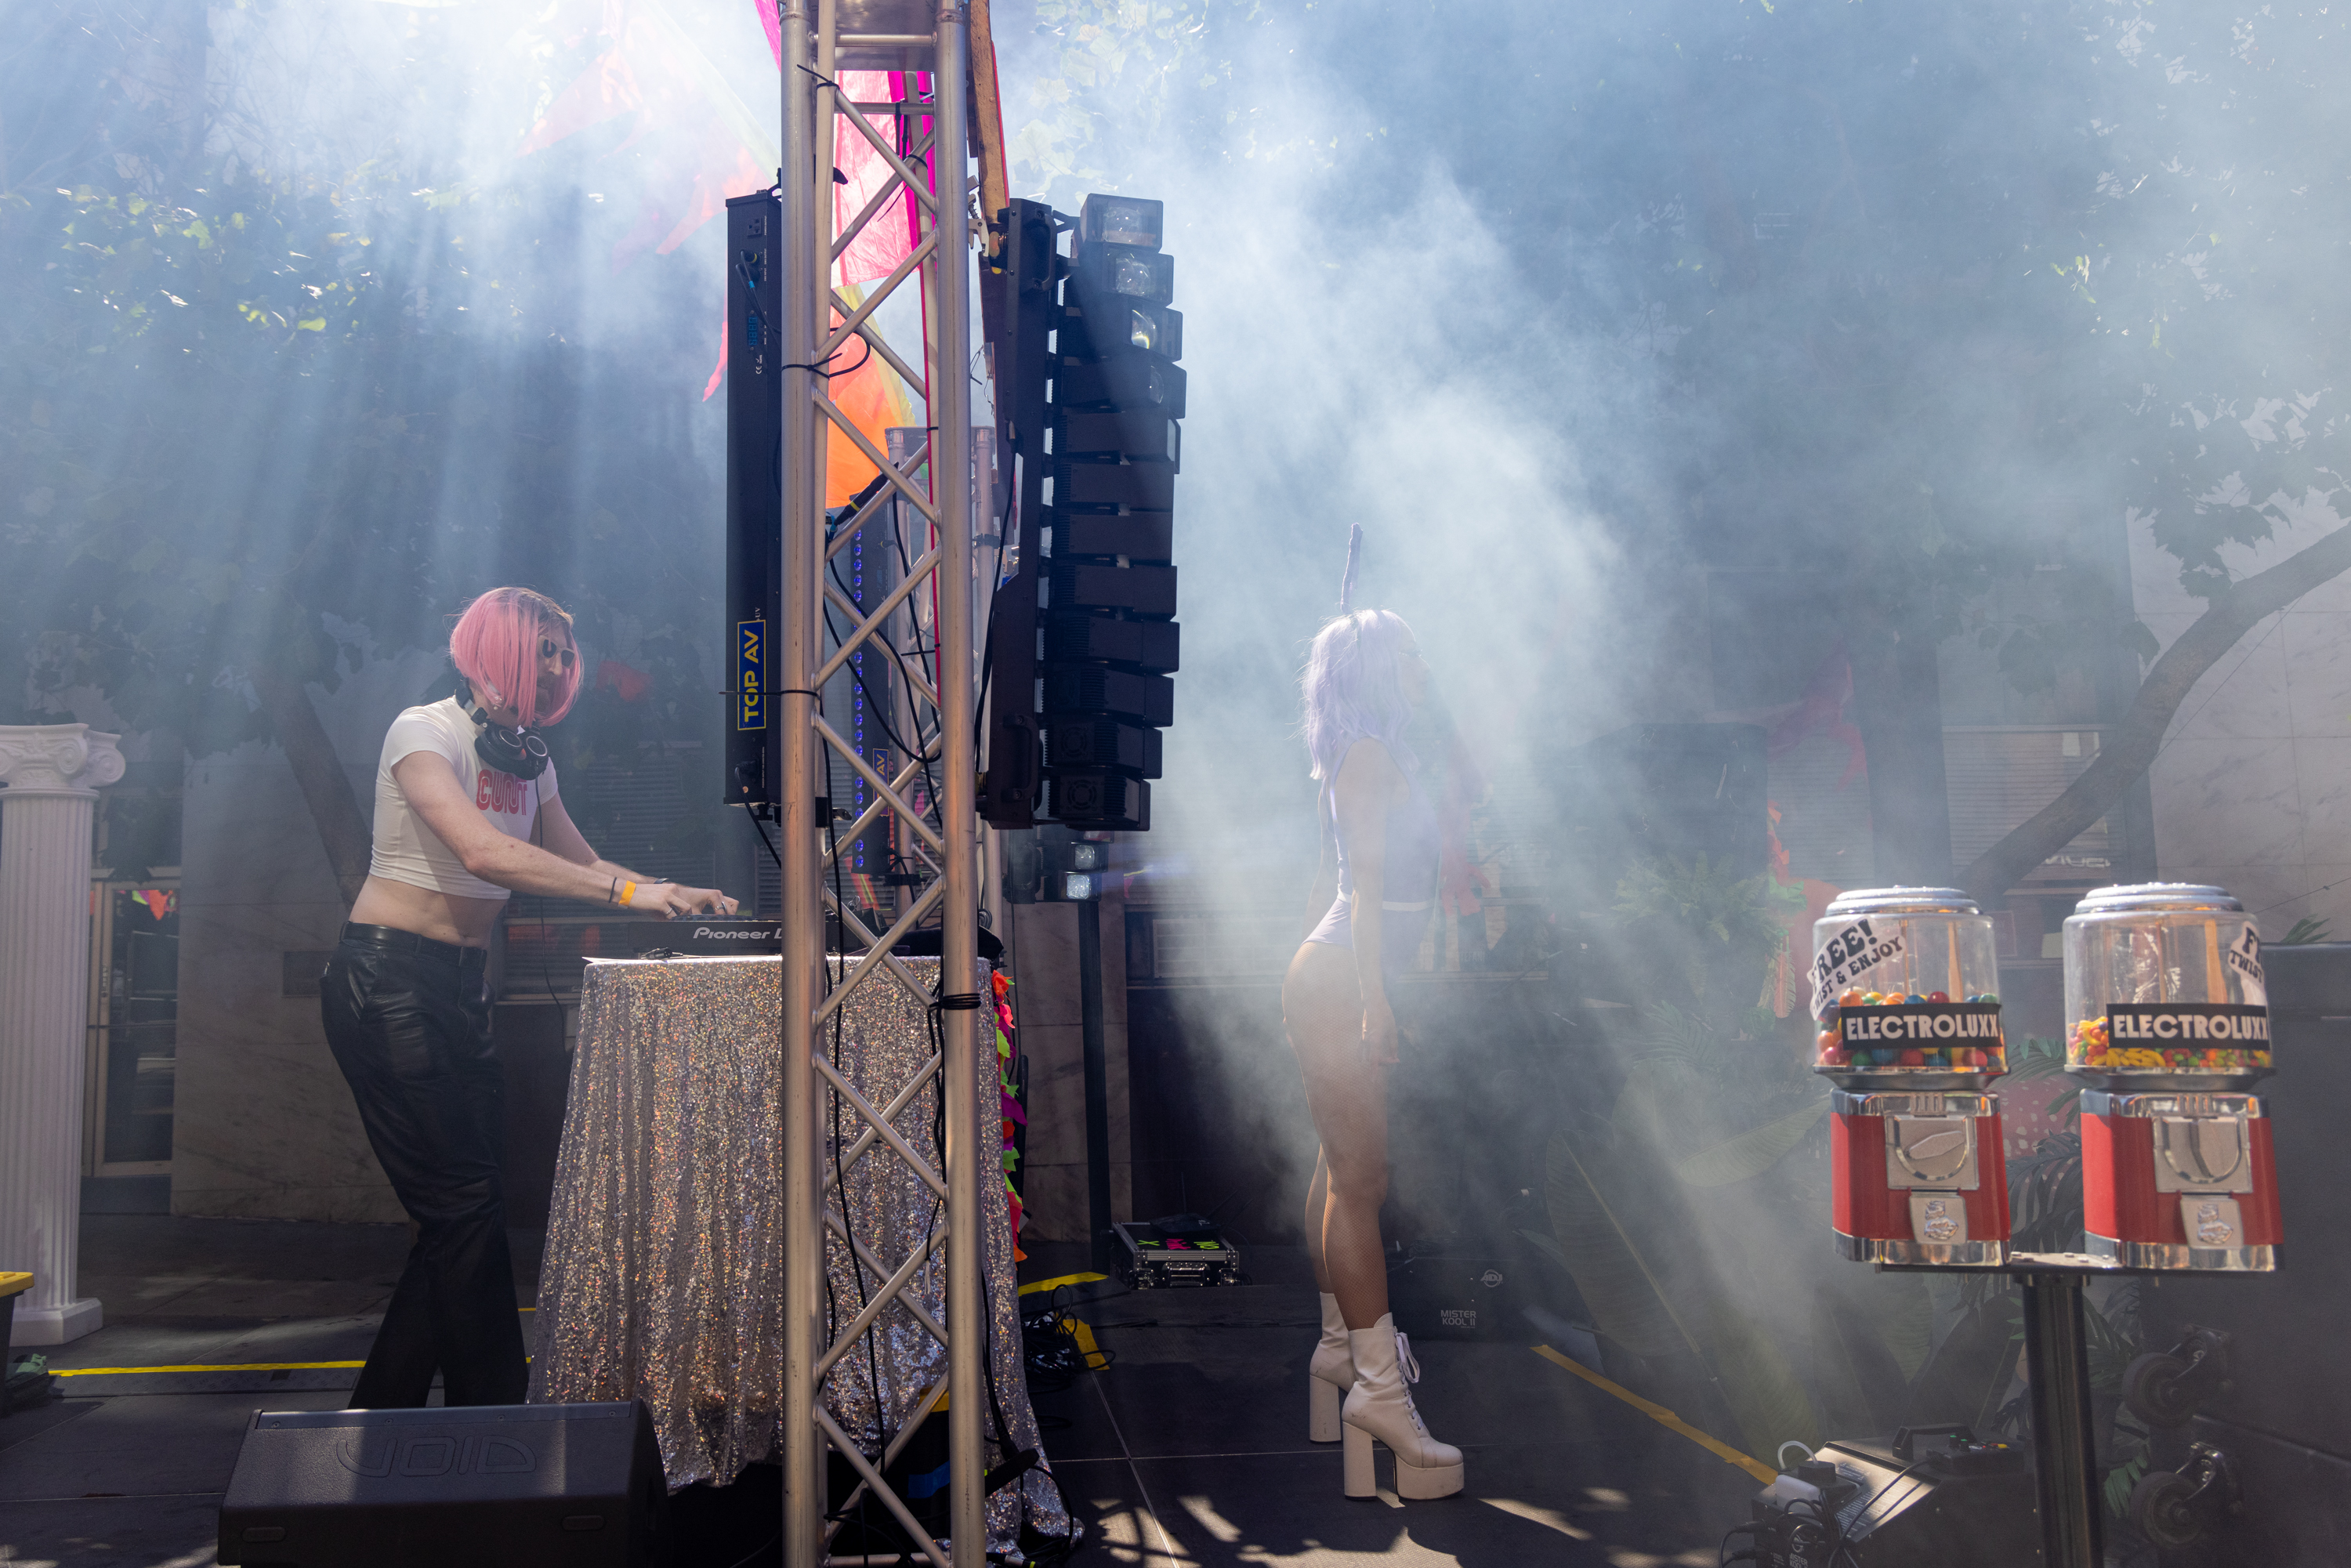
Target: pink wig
(495, 646)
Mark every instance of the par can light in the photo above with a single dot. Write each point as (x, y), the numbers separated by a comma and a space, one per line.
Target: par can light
(1110, 275)
(1111, 326)
(1121, 220)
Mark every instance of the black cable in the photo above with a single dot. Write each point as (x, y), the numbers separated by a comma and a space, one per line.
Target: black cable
(758, 1551)
(820, 367)
(840, 1175)
(906, 568)
(918, 754)
(1017, 1462)
(889, 732)
(880, 634)
(773, 853)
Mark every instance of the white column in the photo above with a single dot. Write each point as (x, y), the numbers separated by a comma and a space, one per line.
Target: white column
(53, 772)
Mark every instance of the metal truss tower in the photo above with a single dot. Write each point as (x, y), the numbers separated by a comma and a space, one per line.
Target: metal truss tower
(926, 147)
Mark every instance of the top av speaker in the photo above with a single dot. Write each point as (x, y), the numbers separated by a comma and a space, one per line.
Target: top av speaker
(579, 1486)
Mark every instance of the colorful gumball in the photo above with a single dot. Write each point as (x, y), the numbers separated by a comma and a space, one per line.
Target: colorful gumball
(1936, 997)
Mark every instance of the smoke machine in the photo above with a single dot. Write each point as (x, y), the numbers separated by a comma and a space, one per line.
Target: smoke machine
(1906, 988)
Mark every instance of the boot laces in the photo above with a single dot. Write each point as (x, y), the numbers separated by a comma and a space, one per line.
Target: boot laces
(1409, 1366)
(1406, 1362)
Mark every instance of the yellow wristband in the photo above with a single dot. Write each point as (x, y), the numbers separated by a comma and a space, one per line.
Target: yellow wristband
(628, 892)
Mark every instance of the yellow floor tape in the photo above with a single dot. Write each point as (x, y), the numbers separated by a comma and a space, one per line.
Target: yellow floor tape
(240, 1366)
(1664, 1417)
(1085, 1341)
(1076, 1330)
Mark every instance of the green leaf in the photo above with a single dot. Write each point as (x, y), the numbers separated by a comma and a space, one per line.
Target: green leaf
(1906, 1322)
(1766, 1397)
(1626, 1300)
(2120, 1480)
(1546, 1245)
(1752, 1153)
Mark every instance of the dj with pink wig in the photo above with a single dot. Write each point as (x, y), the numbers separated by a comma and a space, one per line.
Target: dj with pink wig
(467, 814)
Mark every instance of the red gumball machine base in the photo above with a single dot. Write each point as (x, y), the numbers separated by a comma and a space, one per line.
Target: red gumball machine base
(2180, 1181)
(1920, 1178)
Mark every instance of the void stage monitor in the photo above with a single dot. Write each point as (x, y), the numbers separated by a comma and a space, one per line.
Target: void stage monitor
(562, 1486)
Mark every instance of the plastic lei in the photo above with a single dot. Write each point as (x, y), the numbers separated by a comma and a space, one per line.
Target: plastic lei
(1013, 1116)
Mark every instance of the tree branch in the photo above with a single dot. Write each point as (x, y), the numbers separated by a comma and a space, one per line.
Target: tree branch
(326, 787)
(2128, 752)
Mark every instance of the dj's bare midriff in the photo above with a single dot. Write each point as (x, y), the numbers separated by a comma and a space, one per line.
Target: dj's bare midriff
(443, 916)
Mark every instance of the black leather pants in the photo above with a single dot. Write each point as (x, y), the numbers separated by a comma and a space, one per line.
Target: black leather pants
(411, 1030)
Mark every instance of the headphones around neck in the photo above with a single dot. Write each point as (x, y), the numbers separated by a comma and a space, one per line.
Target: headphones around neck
(516, 752)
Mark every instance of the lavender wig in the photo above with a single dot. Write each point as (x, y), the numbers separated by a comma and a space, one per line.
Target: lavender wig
(1353, 691)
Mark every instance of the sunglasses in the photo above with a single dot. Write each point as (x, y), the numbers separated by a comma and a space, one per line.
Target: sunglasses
(549, 647)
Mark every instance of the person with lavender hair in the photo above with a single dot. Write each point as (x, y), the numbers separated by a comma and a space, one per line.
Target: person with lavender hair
(1364, 680)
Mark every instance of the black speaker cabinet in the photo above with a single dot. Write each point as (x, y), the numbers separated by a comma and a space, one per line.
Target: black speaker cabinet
(575, 1485)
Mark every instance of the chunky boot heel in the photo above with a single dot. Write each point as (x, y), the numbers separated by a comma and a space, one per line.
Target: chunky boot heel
(1362, 1477)
(1329, 1376)
(1323, 1402)
(1380, 1406)
(1423, 1482)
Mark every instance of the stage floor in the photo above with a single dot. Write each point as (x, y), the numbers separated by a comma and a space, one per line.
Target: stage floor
(1189, 1449)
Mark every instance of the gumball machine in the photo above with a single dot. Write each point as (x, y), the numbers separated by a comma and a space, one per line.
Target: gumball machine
(1905, 987)
(2167, 1015)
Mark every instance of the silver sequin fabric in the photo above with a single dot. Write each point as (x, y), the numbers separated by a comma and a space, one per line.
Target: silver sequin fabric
(663, 1280)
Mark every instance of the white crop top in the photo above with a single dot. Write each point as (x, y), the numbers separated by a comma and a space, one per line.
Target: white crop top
(409, 851)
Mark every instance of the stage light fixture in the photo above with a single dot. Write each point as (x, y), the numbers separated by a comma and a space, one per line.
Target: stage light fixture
(1125, 276)
(1094, 411)
(1108, 327)
(1121, 220)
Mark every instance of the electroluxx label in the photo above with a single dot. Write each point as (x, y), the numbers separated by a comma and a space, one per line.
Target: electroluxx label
(1922, 1023)
(2185, 1023)
(750, 671)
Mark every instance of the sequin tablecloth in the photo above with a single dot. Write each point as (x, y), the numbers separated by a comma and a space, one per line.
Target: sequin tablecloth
(663, 1277)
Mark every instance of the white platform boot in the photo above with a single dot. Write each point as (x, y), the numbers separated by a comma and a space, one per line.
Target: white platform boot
(1329, 1376)
(1380, 1406)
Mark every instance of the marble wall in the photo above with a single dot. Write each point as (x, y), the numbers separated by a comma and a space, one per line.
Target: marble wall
(2252, 786)
(263, 1126)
